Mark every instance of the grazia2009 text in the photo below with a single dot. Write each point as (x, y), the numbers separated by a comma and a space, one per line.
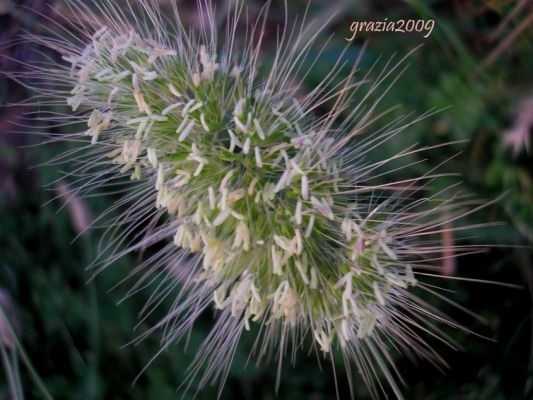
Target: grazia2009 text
(400, 26)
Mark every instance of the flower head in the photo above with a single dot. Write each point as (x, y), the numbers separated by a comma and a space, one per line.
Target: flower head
(270, 213)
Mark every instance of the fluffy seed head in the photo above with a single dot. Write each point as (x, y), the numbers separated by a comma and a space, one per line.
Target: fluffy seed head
(269, 211)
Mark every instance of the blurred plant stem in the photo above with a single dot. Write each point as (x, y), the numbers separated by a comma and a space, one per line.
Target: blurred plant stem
(11, 367)
(17, 346)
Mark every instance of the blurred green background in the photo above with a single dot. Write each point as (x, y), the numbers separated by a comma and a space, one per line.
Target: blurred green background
(476, 66)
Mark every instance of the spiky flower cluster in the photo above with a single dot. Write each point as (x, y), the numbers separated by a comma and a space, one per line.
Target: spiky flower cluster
(250, 184)
(272, 210)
